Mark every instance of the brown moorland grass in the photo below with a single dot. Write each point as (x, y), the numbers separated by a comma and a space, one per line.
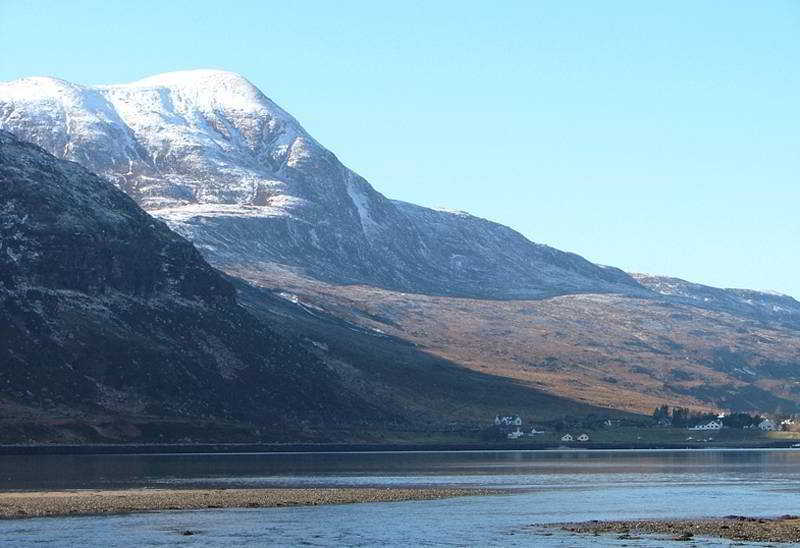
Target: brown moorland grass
(616, 352)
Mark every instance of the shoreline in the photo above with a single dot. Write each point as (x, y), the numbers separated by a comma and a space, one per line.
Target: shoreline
(22, 505)
(178, 448)
(738, 528)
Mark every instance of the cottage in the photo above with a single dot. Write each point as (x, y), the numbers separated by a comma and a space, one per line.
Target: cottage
(508, 420)
(583, 437)
(712, 425)
(767, 426)
(566, 437)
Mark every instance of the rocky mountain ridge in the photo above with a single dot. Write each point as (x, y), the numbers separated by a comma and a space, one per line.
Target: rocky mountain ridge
(747, 302)
(210, 154)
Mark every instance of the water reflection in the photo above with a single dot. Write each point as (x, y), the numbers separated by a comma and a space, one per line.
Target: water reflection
(503, 468)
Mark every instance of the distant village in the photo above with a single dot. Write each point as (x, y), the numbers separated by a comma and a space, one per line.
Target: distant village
(513, 427)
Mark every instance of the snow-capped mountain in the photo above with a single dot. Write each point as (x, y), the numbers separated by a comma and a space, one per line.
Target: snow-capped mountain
(223, 165)
(208, 153)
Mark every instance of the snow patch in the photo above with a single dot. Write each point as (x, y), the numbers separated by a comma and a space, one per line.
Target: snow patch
(361, 202)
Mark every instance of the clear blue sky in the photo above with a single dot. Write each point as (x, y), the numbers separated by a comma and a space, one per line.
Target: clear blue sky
(660, 137)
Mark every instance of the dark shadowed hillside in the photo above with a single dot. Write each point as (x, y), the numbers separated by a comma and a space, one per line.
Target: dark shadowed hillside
(107, 317)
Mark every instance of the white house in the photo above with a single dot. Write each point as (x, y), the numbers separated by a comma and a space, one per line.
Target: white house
(767, 426)
(583, 437)
(509, 420)
(566, 437)
(535, 432)
(712, 425)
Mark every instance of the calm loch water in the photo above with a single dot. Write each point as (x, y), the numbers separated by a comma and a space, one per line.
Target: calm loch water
(553, 486)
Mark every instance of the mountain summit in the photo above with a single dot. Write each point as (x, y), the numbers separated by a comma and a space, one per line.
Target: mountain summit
(209, 153)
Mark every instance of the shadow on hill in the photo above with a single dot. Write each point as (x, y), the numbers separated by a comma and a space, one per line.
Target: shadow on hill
(428, 391)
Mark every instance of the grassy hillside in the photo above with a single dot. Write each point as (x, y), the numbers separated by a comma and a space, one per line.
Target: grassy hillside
(615, 352)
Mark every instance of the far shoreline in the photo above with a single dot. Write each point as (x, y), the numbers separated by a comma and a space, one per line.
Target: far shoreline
(179, 448)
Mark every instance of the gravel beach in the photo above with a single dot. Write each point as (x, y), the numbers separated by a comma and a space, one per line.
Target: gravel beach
(781, 529)
(14, 505)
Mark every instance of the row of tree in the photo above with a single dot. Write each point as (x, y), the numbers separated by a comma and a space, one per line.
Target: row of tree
(682, 417)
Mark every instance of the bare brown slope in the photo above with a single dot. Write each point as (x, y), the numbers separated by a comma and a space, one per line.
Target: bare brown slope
(611, 351)
(433, 393)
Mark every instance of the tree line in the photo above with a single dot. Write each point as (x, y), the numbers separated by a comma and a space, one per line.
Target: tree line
(681, 417)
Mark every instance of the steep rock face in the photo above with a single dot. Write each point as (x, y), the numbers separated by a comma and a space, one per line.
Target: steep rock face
(105, 310)
(226, 167)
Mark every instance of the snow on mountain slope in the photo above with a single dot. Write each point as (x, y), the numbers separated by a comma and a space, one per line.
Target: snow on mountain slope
(170, 140)
(742, 301)
(223, 165)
